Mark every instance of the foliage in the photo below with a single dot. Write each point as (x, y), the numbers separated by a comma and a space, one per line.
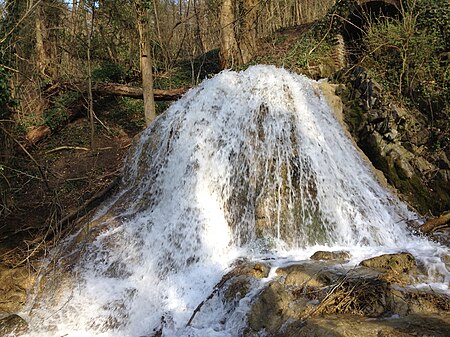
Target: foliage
(57, 114)
(128, 112)
(306, 54)
(407, 57)
(109, 72)
(435, 17)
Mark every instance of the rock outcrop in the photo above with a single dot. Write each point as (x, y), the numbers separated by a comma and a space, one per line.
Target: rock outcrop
(398, 141)
(312, 298)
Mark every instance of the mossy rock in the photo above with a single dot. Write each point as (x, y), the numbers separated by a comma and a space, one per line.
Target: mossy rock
(397, 268)
(340, 255)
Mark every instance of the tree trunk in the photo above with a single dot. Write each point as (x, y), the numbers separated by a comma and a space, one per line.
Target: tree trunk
(89, 68)
(41, 56)
(435, 223)
(238, 23)
(228, 43)
(247, 38)
(146, 60)
(116, 89)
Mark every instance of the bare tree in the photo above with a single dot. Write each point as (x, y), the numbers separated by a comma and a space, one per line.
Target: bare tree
(41, 55)
(142, 15)
(228, 43)
(238, 24)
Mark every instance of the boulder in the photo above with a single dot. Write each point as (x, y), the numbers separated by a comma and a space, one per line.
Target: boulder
(335, 255)
(301, 275)
(14, 285)
(397, 268)
(322, 299)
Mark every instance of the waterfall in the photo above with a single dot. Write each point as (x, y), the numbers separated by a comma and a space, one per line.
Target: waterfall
(250, 163)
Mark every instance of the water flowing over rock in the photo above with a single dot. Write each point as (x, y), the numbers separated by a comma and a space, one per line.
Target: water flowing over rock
(249, 164)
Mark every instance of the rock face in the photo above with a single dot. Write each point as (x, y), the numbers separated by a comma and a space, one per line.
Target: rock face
(398, 142)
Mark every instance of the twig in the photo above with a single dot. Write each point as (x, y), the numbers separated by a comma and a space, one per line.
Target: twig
(67, 148)
(30, 156)
(324, 37)
(101, 123)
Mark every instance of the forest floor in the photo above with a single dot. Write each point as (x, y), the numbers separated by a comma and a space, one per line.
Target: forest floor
(64, 180)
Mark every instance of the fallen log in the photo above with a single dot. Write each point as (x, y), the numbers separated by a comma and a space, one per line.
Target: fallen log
(38, 133)
(116, 89)
(435, 223)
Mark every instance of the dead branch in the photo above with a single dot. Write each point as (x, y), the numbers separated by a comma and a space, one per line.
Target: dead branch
(435, 223)
(116, 89)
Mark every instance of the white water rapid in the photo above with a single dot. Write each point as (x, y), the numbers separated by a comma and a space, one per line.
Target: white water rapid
(248, 164)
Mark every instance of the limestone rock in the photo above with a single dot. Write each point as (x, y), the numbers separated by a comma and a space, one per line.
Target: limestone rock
(300, 275)
(239, 280)
(335, 255)
(395, 267)
(14, 285)
(398, 141)
(268, 311)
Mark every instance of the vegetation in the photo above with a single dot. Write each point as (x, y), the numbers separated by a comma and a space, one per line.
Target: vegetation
(410, 58)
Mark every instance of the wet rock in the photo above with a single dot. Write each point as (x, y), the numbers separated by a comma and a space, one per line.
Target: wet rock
(406, 301)
(14, 285)
(253, 269)
(277, 305)
(335, 255)
(13, 325)
(267, 312)
(235, 285)
(351, 326)
(239, 280)
(322, 298)
(394, 267)
(303, 275)
(237, 288)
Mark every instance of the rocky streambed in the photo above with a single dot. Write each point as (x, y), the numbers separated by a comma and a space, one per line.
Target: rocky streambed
(323, 297)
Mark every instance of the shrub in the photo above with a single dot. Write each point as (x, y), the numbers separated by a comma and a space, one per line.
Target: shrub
(109, 72)
(406, 55)
(57, 114)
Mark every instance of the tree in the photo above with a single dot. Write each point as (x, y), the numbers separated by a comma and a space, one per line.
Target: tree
(228, 43)
(41, 55)
(238, 24)
(142, 14)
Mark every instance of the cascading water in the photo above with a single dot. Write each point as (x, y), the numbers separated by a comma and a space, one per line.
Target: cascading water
(247, 164)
